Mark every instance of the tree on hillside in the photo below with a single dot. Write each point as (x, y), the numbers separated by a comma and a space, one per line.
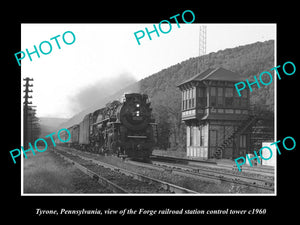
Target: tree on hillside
(167, 111)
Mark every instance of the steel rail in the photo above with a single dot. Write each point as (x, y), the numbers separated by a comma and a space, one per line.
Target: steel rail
(110, 185)
(216, 178)
(267, 171)
(218, 175)
(163, 184)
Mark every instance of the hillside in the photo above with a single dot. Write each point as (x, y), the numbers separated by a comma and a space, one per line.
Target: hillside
(161, 87)
(49, 124)
(248, 60)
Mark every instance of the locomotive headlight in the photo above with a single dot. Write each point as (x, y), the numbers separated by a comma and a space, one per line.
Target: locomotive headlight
(137, 113)
(137, 105)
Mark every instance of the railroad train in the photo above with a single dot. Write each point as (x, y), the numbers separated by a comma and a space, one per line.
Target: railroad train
(126, 129)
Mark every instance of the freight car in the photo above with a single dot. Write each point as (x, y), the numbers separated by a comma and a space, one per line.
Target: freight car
(126, 129)
(74, 130)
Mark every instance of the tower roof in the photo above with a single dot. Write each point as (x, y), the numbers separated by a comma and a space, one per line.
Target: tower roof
(215, 74)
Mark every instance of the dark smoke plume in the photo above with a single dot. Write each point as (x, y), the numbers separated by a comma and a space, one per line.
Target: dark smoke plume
(94, 94)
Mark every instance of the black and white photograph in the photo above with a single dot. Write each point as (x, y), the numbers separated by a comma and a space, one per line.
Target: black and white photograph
(120, 114)
(175, 112)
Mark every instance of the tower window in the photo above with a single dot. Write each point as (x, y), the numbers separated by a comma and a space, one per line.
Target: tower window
(229, 97)
(220, 96)
(213, 99)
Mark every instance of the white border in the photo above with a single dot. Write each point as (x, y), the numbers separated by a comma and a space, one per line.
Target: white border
(174, 195)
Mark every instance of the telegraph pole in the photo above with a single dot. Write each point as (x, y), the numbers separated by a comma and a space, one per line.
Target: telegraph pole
(26, 113)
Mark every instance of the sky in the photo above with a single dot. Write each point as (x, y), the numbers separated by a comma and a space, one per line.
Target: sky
(109, 53)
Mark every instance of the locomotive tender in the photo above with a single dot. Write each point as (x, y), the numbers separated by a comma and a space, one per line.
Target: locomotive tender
(126, 129)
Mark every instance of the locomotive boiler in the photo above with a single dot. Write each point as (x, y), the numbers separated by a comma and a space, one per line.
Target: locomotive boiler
(125, 128)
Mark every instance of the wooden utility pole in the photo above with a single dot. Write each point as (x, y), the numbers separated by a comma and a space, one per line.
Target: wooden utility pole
(26, 106)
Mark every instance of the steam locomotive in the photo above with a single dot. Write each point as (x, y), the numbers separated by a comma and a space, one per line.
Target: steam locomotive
(126, 129)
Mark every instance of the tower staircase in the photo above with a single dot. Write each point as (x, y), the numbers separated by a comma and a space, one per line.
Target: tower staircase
(249, 122)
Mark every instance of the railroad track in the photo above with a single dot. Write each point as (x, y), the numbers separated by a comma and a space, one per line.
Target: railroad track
(119, 180)
(210, 174)
(266, 183)
(183, 160)
(196, 162)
